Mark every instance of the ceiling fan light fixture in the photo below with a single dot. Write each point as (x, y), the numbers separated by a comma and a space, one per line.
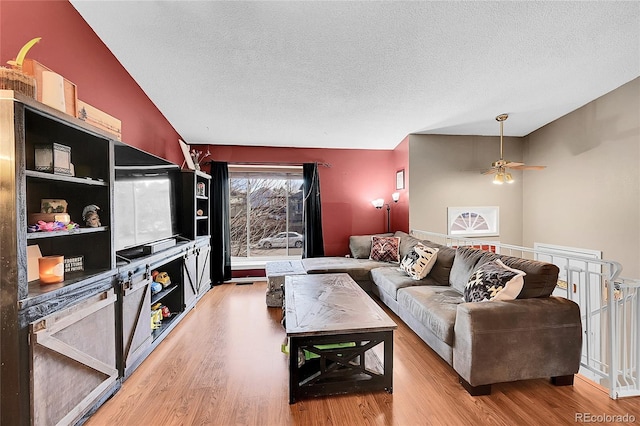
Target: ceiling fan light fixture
(508, 178)
(501, 166)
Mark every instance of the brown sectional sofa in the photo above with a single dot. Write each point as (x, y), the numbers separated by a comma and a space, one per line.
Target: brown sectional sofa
(534, 336)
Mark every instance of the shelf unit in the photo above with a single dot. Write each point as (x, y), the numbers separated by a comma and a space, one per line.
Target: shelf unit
(35, 315)
(196, 204)
(102, 312)
(171, 297)
(92, 159)
(155, 298)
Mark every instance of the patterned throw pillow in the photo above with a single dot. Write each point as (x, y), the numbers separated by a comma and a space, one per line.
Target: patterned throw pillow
(419, 261)
(385, 249)
(494, 281)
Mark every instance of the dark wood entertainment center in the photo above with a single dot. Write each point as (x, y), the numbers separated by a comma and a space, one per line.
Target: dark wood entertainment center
(67, 347)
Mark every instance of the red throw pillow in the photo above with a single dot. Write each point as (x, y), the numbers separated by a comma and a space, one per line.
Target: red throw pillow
(385, 249)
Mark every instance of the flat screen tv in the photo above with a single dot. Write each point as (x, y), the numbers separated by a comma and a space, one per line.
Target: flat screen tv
(144, 209)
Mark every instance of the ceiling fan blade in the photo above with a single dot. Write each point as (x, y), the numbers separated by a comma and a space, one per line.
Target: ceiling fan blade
(523, 167)
(513, 164)
(490, 172)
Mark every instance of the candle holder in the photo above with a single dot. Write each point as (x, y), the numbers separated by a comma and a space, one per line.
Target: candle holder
(51, 269)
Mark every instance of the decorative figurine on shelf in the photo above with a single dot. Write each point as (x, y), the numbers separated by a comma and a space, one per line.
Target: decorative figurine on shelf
(156, 287)
(163, 278)
(90, 216)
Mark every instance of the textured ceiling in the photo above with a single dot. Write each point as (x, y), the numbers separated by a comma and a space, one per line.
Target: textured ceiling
(366, 74)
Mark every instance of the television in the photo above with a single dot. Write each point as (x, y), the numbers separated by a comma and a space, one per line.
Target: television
(144, 200)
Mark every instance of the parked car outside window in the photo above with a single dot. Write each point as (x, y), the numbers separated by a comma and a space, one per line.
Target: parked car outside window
(280, 240)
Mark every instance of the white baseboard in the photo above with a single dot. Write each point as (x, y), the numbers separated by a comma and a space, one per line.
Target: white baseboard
(246, 280)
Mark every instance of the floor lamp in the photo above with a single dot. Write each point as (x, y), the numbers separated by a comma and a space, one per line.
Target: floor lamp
(378, 203)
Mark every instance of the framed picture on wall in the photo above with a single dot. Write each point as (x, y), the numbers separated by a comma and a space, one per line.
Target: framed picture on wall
(473, 221)
(400, 179)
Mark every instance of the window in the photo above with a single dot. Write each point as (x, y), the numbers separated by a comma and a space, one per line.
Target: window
(266, 206)
(473, 221)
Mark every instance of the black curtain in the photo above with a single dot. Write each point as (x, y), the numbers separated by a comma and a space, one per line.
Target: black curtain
(313, 242)
(220, 234)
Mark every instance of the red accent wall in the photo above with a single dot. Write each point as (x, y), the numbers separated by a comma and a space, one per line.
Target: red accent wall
(71, 48)
(346, 188)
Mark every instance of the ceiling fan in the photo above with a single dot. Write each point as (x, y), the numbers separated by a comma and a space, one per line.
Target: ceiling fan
(499, 168)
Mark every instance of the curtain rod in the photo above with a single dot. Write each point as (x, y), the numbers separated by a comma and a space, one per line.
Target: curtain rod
(265, 163)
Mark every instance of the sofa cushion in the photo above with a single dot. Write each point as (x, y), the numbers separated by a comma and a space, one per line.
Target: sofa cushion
(390, 280)
(385, 249)
(407, 242)
(433, 306)
(494, 281)
(540, 281)
(541, 278)
(442, 268)
(358, 269)
(419, 261)
(360, 245)
(464, 264)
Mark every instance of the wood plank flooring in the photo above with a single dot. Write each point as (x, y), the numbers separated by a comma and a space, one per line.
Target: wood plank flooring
(222, 365)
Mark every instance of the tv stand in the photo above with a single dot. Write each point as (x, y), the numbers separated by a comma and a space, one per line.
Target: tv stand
(182, 263)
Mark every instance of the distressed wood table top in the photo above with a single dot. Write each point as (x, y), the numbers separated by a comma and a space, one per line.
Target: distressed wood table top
(326, 304)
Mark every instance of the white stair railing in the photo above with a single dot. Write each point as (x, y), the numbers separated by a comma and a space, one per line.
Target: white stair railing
(609, 307)
(624, 317)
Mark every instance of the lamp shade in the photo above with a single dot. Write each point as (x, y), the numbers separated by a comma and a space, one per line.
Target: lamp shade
(498, 179)
(378, 203)
(395, 196)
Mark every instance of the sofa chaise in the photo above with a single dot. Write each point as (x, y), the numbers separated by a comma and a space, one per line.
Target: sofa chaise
(535, 335)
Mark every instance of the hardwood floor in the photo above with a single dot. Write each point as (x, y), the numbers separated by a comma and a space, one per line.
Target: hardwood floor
(222, 365)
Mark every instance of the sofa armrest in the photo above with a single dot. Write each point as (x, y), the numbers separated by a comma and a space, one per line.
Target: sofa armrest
(503, 341)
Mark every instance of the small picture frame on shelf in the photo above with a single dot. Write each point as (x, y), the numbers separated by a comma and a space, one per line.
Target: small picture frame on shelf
(200, 189)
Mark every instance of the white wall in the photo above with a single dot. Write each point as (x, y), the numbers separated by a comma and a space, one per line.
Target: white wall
(445, 171)
(589, 195)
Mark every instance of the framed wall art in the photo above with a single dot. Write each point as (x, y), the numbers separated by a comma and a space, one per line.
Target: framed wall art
(400, 179)
(473, 221)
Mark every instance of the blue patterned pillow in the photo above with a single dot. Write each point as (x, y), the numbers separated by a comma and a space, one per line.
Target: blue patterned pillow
(494, 281)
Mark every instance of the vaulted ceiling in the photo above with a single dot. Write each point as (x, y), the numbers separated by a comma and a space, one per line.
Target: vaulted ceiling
(365, 74)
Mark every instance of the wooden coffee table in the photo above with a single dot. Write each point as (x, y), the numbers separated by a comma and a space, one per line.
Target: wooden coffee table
(340, 340)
